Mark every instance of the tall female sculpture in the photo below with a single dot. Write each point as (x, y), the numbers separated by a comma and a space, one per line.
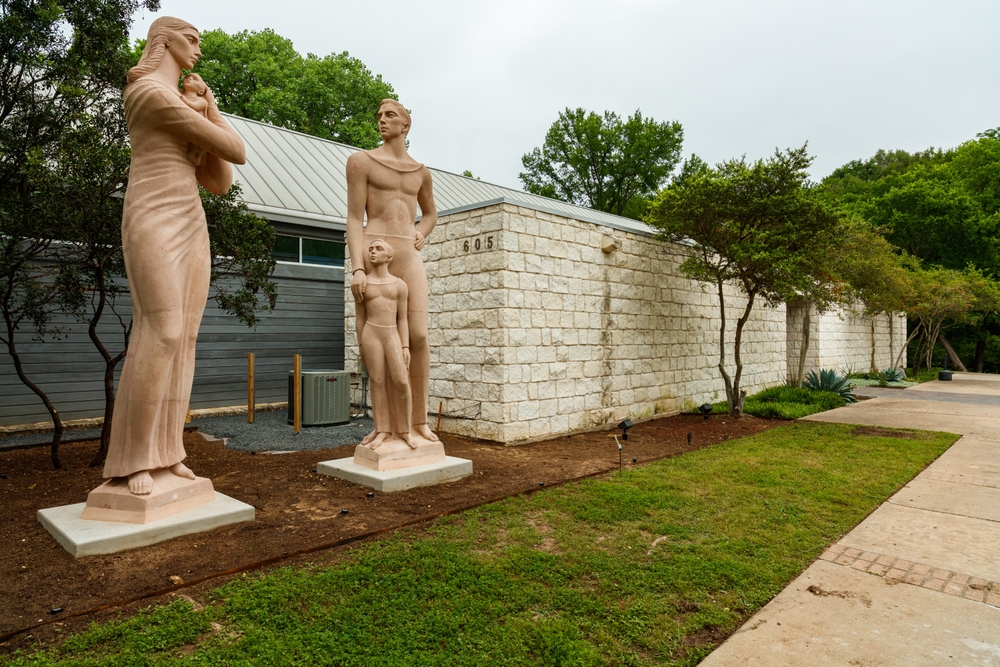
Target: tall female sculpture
(167, 258)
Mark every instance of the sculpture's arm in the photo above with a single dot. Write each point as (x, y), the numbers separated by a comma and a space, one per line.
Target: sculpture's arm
(212, 134)
(428, 209)
(357, 199)
(402, 322)
(360, 319)
(216, 169)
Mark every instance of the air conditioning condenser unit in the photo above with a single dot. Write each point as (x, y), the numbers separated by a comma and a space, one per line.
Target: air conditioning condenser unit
(326, 397)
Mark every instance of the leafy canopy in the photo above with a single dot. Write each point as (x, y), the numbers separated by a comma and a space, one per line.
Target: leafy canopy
(603, 162)
(260, 75)
(942, 207)
(757, 224)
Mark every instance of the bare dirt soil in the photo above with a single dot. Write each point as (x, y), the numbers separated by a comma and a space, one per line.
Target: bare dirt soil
(296, 509)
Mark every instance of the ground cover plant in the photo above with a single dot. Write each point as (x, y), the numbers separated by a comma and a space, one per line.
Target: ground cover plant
(654, 565)
(786, 403)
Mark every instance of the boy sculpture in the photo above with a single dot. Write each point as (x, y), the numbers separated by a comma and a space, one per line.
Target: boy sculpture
(386, 344)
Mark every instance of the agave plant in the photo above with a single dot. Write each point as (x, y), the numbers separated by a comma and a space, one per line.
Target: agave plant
(892, 375)
(828, 380)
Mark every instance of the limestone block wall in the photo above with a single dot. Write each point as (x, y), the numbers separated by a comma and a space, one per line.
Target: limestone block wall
(843, 339)
(846, 340)
(535, 331)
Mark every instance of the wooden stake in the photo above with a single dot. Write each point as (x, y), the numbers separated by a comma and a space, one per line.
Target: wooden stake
(297, 393)
(440, 407)
(250, 400)
(187, 420)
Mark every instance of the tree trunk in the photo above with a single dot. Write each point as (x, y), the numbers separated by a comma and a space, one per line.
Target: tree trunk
(722, 349)
(955, 361)
(806, 332)
(892, 338)
(980, 352)
(57, 424)
(739, 394)
(874, 366)
(902, 351)
(110, 363)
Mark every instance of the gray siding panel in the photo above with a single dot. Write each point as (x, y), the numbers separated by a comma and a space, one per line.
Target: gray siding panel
(308, 320)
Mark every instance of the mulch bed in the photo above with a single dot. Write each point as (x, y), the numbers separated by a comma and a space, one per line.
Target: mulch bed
(296, 509)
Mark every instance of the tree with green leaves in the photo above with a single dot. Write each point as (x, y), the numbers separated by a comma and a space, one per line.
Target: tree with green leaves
(603, 162)
(58, 60)
(941, 207)
(260, 75)
(755, 225)
(939, 298)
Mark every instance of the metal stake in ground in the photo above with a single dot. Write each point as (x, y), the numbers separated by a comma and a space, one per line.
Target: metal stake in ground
(250, 400)
(297, 393)
(619, 454)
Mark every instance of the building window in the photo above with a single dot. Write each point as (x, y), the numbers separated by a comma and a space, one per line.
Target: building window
(327, 253)
(298, 250)
(286, 249)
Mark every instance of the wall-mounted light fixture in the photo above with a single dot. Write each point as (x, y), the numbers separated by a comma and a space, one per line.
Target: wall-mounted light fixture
(609, 244)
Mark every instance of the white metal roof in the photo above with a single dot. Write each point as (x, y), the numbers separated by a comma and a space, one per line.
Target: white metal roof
(295, 177)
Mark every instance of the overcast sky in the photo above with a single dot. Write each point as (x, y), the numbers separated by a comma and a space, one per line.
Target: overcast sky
(486, 79)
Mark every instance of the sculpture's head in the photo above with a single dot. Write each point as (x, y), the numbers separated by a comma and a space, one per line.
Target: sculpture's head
(170, 37)
(393, 119)
(379, 252)
(194, 85)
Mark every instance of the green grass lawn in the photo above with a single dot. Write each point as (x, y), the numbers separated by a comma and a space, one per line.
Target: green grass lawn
(652, 566)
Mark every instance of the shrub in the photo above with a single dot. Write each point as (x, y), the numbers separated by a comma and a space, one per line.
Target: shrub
(786, 403)
(828, 380)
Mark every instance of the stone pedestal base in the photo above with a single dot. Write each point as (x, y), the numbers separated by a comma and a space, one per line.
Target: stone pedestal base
(449, 469)
(394, 454)
(83, 537)
(112, 501)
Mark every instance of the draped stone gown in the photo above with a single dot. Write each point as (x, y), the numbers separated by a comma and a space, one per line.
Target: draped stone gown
(168, 263)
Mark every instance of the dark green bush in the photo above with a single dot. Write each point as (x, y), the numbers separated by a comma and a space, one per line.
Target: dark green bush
(786, 403)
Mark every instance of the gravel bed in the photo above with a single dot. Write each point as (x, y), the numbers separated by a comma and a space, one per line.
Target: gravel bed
(269, 432)
(272, 432)
(46, 438)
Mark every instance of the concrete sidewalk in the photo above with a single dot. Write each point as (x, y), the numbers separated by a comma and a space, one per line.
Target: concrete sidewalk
(917, 582)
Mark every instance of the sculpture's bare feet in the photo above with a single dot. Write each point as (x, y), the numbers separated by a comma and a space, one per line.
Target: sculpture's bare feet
(368, 438)
(140, 483)
(425, 433)
(181, 470)
(408, 439)
(379, 440)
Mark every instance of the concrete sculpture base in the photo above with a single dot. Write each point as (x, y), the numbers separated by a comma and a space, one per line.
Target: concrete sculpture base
(112, 501)
(394, 454)
(84, 537)
(450, 469)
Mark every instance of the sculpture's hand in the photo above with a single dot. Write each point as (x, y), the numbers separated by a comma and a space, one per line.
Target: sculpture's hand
(419, 241)
(210, 98)
(359, 282)
(406, 357)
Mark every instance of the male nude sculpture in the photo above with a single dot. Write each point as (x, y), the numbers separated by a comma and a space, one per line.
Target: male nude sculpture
(386, 345)
(387, 185)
